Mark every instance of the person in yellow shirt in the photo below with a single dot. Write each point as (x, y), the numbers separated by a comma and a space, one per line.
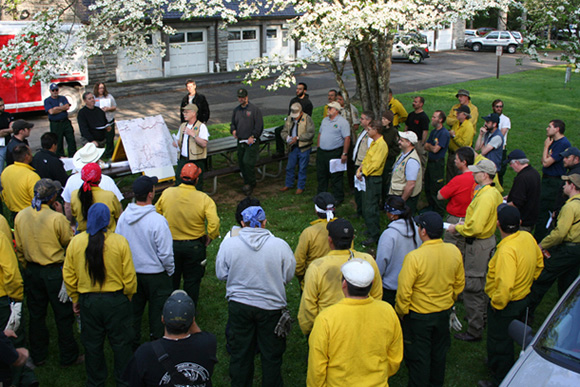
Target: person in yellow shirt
(313, 241)
(478, 230)
(461, 133)
(400, 114)
(429, 282)
(187, 211)
(322, 281)
(358, 341)
(89, 193)
(464, 99)
(517, 262)
(332, 94)
(100, 279)
(18, 180)
(371, 170)
(42, 236)
(561, 246)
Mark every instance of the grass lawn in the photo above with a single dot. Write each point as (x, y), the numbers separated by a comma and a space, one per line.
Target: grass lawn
(531, 98)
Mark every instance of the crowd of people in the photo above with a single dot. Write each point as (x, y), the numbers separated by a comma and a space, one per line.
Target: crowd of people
(99, 266)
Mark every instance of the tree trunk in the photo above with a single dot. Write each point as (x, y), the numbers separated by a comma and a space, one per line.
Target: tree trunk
(338, 71)
(372, 84)
(357, 67)
(385, 53)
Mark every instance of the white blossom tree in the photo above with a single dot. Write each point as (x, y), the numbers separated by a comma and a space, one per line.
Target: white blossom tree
(365, 28)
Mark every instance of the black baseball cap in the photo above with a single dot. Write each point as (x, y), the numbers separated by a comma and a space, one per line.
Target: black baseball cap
(509, 218)
(340, 230)
(179, 311)
(144, 184)
(432, 222)
(493, 117)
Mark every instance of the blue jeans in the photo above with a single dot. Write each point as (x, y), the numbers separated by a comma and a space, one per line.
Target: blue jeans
(301, 158)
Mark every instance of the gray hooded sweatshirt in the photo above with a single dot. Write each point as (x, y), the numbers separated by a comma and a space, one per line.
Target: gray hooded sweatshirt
(149, 238)
(256, 266)
(395, 242)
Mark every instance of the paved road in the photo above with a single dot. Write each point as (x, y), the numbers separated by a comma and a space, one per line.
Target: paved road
(164, 96)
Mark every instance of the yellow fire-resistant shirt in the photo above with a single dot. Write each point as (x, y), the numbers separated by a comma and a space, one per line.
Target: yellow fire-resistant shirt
(464, 133)
(10, 278)
(568, 225)
(431, 278)
(119, 269)
(5, 228)
(41, 236)
(481, 214)
(355, 343)
(517, 262)
(452, 116)
(187, 210)
(99, 196)
(374, 161)
(313, 244)
(323, 285)
(399, 111)
(18, 182)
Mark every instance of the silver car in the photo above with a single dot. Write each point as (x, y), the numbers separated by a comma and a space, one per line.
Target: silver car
(509, 40)
(553, 355)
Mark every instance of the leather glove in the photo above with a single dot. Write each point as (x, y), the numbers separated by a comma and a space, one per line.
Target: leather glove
(15, 316)
(284, 325)
(63, 295)
(454, 323)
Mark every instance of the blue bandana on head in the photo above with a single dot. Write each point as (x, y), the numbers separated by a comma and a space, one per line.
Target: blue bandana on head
(98, 218)
(254, 216)
(394, 211)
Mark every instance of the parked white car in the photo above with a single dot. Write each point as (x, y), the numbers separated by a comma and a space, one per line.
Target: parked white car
(553, 356)
(412, 47)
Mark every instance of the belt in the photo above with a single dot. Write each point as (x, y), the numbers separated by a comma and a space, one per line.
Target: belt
(102, 294)
(58, 264)
(190, 240)
(66, 119)
(544, 176)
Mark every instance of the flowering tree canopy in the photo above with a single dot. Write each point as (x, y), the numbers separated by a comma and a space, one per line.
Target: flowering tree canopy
(364, 28)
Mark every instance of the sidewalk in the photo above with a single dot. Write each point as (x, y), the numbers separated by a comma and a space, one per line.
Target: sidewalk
(160, 85)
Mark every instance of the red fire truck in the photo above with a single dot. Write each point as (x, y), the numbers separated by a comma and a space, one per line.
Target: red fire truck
(20, 97)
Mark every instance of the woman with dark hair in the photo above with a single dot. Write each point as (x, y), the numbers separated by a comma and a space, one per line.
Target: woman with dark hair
(89, 193)
(107, 103)
(100, 278)
(400, 237)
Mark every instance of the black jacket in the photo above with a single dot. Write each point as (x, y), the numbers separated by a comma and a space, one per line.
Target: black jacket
(202, 106)
(49, 166)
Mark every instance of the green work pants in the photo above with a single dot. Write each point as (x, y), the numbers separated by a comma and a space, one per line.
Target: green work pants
(280, 142)
(500, 346)
(549, 191)
(109, 142)
(247, 159)
(22, 376)
(389, 296)
(251, 327)
(188, 256)
(42, 285)
(153, 289)
(387, 172)
(202, 164)
(64, 130)
(563, 265)
(371, 202)
(427, 342)
(434, 181)
(412, 203)
(324, 176)
(106, 315)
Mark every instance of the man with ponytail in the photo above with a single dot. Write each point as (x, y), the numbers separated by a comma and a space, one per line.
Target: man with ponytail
(42, 236)
(100, 278)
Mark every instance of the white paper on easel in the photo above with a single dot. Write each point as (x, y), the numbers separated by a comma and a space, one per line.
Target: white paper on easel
(336, 165)
(360, 185)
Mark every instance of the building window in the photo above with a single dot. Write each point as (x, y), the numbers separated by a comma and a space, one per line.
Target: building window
(234, 35)
(177, 38)
(272, 33)
(195, 37)
(284, 38)
(149, 39)
(249, 35)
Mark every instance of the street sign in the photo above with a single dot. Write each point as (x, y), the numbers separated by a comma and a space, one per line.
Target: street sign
(498, 50)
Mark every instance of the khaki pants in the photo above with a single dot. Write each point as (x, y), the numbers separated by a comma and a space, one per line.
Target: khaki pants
(455, 239)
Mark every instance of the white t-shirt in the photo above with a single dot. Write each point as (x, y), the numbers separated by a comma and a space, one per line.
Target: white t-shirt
(75, 182)
(203, 134)
(504, 122)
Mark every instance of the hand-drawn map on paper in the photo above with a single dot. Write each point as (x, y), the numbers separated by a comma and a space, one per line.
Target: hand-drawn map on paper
(148, 143)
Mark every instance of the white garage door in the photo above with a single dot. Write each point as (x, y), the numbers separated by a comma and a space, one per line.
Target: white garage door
(188, 52)
(152, 68)
(243, 45)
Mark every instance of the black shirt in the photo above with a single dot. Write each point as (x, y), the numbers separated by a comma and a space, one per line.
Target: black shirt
(525, 194)
(49, 166)
(5, 120)
(8, 355)
(14, 142)
(194, 357)
(307, 106)
(247, 122)
(202, 107)
(91, 119)
(417, 123)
